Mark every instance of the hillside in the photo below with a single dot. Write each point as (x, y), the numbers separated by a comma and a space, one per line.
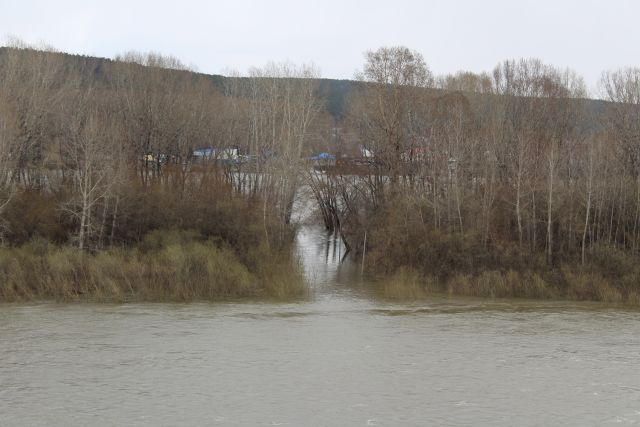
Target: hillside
(334, 91)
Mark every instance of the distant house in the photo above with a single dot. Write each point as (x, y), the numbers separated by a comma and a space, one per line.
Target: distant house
(218, 154)
(203, 153)
(415, 154)
(227, 154)
(323, 156)
(152, 158)
(365, 152)
(324, 159)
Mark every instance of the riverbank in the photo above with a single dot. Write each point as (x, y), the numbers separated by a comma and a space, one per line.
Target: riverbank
(165, 266)
(411, 258)
(562, 284)
(179, 265)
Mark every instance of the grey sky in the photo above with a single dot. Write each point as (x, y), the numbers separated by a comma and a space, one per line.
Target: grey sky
(588, 36)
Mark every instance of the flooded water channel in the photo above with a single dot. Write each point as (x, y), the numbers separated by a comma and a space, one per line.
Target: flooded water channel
(340, 358)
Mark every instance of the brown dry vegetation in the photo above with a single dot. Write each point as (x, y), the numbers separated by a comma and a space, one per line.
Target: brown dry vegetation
(507, 183)
(168, 265)
(103, 198)
(408, 284)
(415, 261)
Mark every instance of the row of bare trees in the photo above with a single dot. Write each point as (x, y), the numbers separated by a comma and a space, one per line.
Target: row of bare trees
(100, 135)
(518, 158)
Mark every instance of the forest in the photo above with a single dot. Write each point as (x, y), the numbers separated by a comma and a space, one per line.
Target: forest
(139, 179)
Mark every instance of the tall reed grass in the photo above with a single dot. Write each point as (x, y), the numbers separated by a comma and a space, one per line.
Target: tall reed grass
(567, 283)
(166, 266)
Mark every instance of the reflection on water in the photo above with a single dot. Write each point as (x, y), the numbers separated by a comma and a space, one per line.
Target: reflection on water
(340, 358)
(329, 269)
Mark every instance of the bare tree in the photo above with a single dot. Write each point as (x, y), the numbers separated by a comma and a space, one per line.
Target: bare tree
(395, 77)
(91, 151)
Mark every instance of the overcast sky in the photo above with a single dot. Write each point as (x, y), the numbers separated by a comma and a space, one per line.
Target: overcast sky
(588, 36)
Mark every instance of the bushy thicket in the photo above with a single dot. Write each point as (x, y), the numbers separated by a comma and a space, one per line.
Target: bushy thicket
(163, 245)
(413, 260)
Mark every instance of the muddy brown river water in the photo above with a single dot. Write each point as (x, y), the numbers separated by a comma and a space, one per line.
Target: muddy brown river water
(340, 358)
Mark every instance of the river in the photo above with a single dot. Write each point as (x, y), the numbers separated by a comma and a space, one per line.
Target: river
(340, 358)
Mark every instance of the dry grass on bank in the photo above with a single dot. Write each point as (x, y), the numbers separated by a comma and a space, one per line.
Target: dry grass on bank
(409, 284)
(166, 266)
